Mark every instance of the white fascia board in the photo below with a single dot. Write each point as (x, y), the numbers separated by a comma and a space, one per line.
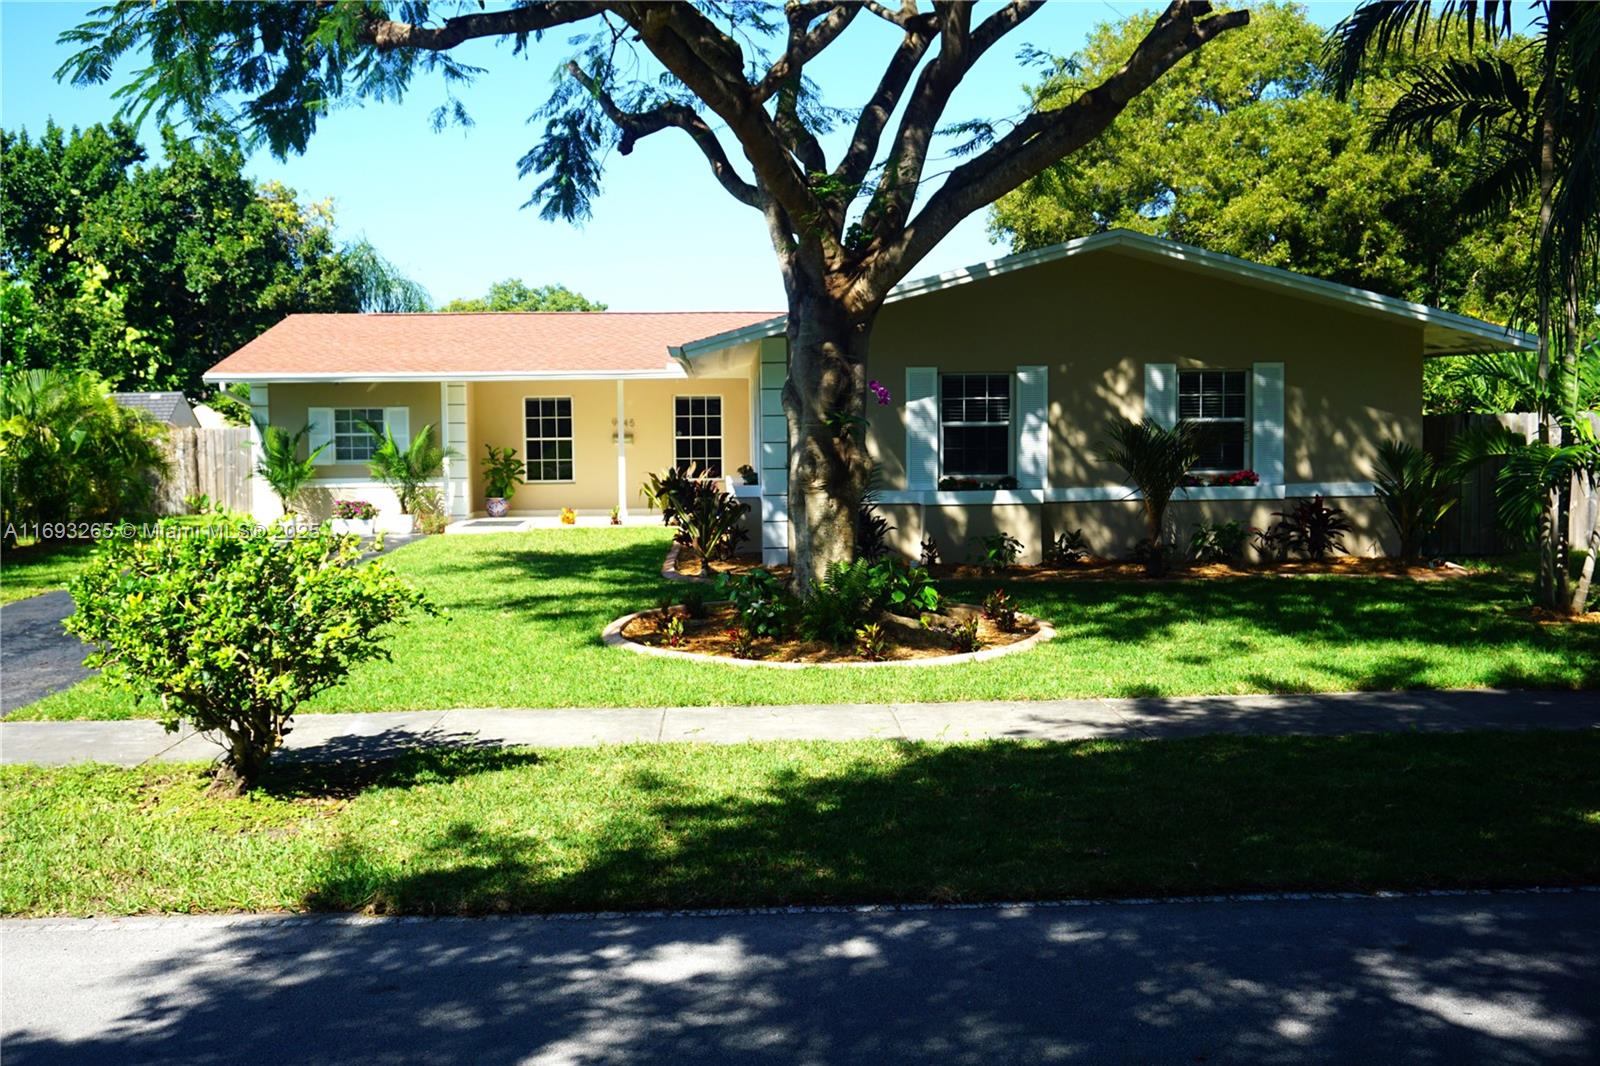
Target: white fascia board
(666, 374)
(772, 327)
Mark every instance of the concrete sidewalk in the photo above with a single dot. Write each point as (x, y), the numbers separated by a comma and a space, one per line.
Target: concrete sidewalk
(332, 736)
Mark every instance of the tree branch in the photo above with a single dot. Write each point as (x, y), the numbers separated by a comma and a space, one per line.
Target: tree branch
(857, 160)
(803, 44)
(387, 34)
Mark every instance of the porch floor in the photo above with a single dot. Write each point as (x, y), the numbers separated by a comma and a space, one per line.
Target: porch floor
(523, 523)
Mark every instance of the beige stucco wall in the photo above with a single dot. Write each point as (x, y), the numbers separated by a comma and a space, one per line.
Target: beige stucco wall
(1350, 379)
(495, 416)
(289, 405)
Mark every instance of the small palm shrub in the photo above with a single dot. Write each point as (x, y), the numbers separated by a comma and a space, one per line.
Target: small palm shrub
(280, 466)
(1415, 491)
(1156, 460)
(406, 467)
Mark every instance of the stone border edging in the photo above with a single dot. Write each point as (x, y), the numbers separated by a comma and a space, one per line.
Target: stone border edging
(670, 571)
(612, 637)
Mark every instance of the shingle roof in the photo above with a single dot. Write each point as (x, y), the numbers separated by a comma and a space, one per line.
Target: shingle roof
(161, 406)
(400, 346)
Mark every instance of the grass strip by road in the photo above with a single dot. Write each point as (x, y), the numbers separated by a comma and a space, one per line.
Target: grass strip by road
(482, 831)
(525, 613)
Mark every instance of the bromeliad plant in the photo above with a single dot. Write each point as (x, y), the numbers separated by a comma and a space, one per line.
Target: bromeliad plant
(234, 633)
(1156, 460)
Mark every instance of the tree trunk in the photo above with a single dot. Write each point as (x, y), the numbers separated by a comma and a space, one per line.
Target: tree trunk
(823, 401)
(1550, 533)
(1580, 593)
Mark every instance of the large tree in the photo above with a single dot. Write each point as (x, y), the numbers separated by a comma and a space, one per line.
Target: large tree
(149, 273)
(844, 231)
(513, 294)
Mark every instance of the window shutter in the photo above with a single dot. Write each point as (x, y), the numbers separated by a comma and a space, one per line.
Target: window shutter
(1033, 426)
(922, 427)
(1266, 422)
(1161, 393)
(397, 423)
(321, 420)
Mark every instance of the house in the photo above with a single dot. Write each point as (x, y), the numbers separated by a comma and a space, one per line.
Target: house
(1003, 377)
(169, 407)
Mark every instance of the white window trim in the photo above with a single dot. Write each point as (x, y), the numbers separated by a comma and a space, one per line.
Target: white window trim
(720, 438)
(334, 435)
(1246, 421)
(572, 440)
(1011, 423)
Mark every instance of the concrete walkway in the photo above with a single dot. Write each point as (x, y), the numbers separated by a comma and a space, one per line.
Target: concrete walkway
(1503, 978)
(331, 736)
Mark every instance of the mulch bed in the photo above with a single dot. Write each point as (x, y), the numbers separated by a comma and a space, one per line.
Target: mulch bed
(1095, 569)
(906, 638)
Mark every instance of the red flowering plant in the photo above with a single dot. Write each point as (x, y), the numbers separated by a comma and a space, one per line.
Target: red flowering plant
(354, 510)
(1236, 478)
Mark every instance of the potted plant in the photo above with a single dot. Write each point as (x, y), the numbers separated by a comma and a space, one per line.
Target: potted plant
(406, 469)
(354, 516)
(502, 473)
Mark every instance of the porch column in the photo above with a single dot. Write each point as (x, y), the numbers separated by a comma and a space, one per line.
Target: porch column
(622, 454)
(774, 459)
(453, 436)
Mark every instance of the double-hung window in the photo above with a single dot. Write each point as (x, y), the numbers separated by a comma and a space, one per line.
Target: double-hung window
(697, 435)
(975, 425)
(1215, 400)
(353, 441)
(548, 422)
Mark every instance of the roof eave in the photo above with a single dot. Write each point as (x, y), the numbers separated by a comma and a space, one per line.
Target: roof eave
(218, 376)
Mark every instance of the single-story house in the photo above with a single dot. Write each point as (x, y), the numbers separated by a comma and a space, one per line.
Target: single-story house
(1003, 377)
(171, 408)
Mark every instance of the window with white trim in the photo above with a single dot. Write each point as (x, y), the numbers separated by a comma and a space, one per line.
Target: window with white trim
(353, 440)
(697, 434)
(548, 429)
(1217, 401)
(975, 425)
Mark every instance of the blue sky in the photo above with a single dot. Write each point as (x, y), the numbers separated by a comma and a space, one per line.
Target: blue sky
(446, 207)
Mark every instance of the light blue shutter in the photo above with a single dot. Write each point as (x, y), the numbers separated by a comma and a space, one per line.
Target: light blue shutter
(321, 421)
(1161, 393)
(397, 422)
(1033, 426)
(1266, 422)
(922, 427)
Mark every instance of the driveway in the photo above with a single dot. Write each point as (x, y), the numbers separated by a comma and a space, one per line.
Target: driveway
(1508, 978)
(37, 657)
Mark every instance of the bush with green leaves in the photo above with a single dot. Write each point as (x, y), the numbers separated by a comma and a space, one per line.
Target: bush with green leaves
(1416, 493)
(1312, 528)
(908, 590)
(872, 642)
(406, 467)
(843, 601)
(764, 606)
(710, 522)
(281, 467)
(1066, 548)
(234, 632)
(997, 551)
(694, 601)
(872, 532)
(1221, 542)
(503, 471)
(1001, 609)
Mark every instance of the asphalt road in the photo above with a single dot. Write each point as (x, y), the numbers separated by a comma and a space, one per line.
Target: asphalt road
(1509, 978)
(37, 656)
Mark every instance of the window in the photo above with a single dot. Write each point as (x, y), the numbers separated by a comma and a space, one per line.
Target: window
(549, 432)
(353, 441)
(975, 424)
(1215, 400)
(697, 434)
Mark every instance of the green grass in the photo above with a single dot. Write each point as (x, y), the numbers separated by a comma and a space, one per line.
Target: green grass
(474, 831)
(526, 611)
(30, 569)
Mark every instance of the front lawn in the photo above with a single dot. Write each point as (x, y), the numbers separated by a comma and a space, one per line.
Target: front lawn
(526, 611)
(30, 569)
(474, 831)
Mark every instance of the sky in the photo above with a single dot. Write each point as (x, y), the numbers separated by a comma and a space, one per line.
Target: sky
(446, 207)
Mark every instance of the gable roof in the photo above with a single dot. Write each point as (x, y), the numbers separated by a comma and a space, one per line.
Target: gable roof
(1443, 332)
(170, 407)
(473, 346)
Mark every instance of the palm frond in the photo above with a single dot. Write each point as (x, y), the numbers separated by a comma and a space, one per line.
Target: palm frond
(1473, 94)
(1375, 31)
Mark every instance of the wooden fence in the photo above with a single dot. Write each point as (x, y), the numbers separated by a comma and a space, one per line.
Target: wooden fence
(208, 462)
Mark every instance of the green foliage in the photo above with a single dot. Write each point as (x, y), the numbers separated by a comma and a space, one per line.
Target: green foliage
(1222, 542)
(68, 452)
(1241, 149)
(513, 295)
(928, 552)
(694, 601)
(872, 642)
(672, 631)
(872, 532)
(233, 633)
(908, 590)
(764, 606)
(710, 522)
(749, 475)
(1066, 548)
(963, 636)
(1001, 609)
(408, 467)
(1156, 460)
(1416, 493)
(1312, 528)
(844, 601)
(280, 465)
(994, 551)
(503, 471)
(150, 273)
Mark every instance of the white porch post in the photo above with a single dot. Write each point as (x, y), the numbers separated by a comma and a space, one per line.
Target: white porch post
(622, 454)
(264, 506)
(453, 436)
(774, 460)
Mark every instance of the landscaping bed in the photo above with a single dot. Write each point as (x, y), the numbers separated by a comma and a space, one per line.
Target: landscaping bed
(473, 831)
(1097, 569)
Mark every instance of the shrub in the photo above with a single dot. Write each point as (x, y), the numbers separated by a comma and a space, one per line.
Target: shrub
(1220, 543)
(198, 503)
(764, 606)
(872, 532)
(709, 521)
(1066, 549)
(354, 510)
(744, 641)
(694, 601)
(502, 472)
(872, 642)
(963, 636)
(908, 590)
(281, 467)
(407, 468)
(68, 452)
(673, 631)
(1312, 528)
(843, 601)
(997, 551)
(929, 554)
(1416, 493)
(430, 513)
(1001, 609)
(1156, 460)
(1271, 543)
(233, 633)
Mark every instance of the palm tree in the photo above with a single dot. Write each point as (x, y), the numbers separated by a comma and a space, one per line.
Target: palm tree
(280, 465)
(1155, 459)
(1537, 125)
(407, 469)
